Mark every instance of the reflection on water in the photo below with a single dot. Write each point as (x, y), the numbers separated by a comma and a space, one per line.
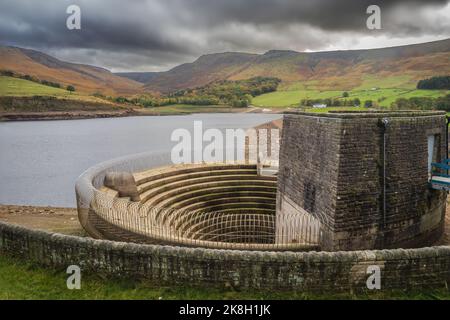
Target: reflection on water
(40, 160)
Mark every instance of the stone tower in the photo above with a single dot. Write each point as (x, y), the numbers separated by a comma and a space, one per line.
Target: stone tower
(364, 176)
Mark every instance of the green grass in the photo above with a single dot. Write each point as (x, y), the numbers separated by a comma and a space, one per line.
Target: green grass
(18, 87)
(383, 97)
(10, 86)
(22, 280)
(291, 97)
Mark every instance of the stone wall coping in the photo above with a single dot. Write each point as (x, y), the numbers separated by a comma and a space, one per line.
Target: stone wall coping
(227, 255)
(367, 114)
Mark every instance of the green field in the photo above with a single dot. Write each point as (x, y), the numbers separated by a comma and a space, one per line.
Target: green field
(10, 86)
(384, 97)
(291, 97)
(21, 280)
(18, 87)
(15, 87)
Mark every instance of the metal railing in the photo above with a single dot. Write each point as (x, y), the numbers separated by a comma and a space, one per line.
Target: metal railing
(224, 230)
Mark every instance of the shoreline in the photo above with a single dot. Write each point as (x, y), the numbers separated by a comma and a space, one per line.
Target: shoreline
(43, 116)
(53, 219)
(79, 115)
(65, 115)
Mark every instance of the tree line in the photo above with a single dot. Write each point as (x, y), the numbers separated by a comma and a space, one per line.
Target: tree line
(237, 94)
(435, 83)
(338, 102)
(423, 103)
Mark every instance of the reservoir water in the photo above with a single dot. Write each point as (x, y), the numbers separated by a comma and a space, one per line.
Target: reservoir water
(41, 160)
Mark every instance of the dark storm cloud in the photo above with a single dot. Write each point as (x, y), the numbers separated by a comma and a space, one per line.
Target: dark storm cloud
(324, 14)
(143, 34)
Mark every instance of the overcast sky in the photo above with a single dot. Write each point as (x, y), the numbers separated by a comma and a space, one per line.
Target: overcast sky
(154, 35)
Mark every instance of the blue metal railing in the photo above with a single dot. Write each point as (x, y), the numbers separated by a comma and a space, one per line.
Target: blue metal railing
(440, 177)
(444, 165)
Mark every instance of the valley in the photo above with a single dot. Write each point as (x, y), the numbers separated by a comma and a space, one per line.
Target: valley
(34, 82)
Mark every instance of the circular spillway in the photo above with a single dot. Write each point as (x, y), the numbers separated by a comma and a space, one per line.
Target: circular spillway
(224, 203)
(227, 206)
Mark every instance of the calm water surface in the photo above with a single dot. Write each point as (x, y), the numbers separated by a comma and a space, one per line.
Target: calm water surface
(40, 160)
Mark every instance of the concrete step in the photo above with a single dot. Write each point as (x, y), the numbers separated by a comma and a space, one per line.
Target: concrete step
(222, 204)
(192, 175)
(219, 205)
(225, 202)
(154, 196)
(186, 182)
(159, 173)
(187, 198)
(269, 172)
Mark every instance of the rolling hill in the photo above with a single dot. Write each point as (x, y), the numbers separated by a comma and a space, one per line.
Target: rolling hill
(385, 68)
(394, 67)
(204, 70)
(142, 77)
(85, 78)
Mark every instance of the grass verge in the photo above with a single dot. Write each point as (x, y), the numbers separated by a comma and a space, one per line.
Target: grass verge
(24, 280)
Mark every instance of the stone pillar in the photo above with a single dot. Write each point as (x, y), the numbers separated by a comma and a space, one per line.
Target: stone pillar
(367, 184)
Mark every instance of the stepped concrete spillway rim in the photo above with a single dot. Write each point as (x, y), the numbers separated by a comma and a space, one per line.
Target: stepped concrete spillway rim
(212, 193)
(179, 195)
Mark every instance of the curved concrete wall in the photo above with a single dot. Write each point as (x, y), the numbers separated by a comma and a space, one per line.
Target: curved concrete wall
(106, 216)
(92, 179)
(309, 271)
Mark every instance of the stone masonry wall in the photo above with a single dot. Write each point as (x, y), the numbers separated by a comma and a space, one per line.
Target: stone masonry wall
(165, 265)
(414, 212)
(332, 167)
(307, 180)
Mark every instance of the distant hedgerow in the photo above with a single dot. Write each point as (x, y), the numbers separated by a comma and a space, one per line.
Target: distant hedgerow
(437, 83)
